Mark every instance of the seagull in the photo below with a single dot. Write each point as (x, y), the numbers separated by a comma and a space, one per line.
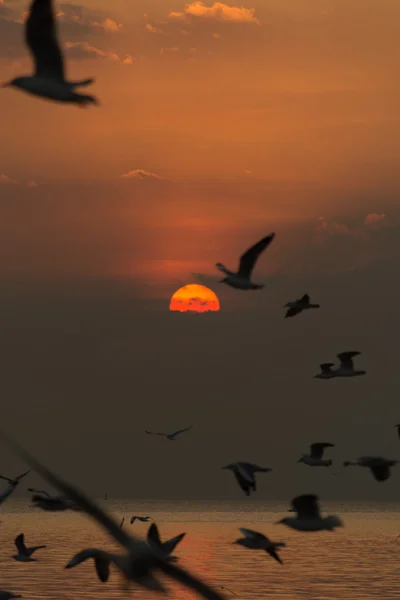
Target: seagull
(380, 467)
(308, 517)
(142, 519)
(296, 307)
(4, 595)
(170, 436)
(258, 541)
(244, 474)
(153, 538)
(345, 369)
(12, 487)
(48, 80)
(242, 279)
(140, 559)
(314, 459)
(43, 500)
(24, 553)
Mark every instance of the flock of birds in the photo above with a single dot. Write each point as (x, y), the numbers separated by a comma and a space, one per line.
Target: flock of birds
(139, 560)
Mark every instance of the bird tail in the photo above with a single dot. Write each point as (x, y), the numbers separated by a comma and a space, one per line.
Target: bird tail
(81, 83)
(334, 521)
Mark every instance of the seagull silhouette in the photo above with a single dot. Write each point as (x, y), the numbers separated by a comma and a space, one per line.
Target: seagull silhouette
(24, 553)
(48, 80)
(170, 436)
(241, 280)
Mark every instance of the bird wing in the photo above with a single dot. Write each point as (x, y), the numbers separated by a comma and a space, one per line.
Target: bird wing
(99, 556)
(169, 546)
(306, 506)
(19, 477)
(254, 535)
(381, 473)
(326, 367)
(153, 536)
(272, 552)
(293, 311)
(19, 542)
(346, 359)
(317, 449)
(305, 299)
(41, 38)
(249, 258)
(88, 505)
(222, 268)
(181, 430)
(6, 478)
(33, 549)
(39, 492)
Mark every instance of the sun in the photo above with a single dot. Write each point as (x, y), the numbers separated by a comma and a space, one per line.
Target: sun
(194, 298)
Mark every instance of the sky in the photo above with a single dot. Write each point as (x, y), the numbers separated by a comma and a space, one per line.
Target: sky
(218, 124)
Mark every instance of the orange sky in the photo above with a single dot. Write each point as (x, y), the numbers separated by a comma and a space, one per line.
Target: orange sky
(219, 122)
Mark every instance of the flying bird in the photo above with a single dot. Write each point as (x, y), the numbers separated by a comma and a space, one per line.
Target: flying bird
(244, 475)
(17, 479)
(48, 80)
(258, 541)
(315, 458)
(142, 519)
(296, 307)
(379, 467)
(24, 553)
(139, 560)
(45, 501)
(308, 517)
(153, 538)
(345, 368)
(242, 279)
(170, 436)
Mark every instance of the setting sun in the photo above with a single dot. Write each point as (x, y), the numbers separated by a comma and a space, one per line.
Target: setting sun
(194, 298)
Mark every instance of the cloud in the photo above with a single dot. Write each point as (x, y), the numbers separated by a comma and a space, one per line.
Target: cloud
(32, 184)
(4, 179)
(79, 50)
(153, 29)
(108, 25)
(374, 218)
(331, 227)
(217, 12)
(140, 174)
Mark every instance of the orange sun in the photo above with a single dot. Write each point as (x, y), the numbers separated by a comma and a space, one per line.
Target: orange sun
(194, 298)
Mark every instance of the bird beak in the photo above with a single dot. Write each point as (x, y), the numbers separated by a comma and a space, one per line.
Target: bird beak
(6, 84)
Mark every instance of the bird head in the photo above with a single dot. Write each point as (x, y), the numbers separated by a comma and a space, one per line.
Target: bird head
(301, 459)
(230, 467)
(16, 82)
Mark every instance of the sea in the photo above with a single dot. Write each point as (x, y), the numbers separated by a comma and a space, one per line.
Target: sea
(359, 561)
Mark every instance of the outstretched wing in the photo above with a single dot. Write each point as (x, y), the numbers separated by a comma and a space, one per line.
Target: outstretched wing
(317, 449)
(153, 536)
(170, 545)
(272, 552)
(249, 258)
(154, 432)
(305, 299)
(41, 38)
(101, 561)
(346, 359)
(181, 431)
(254, 535)
(19, 542)
(293, 311)
(306, 506)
